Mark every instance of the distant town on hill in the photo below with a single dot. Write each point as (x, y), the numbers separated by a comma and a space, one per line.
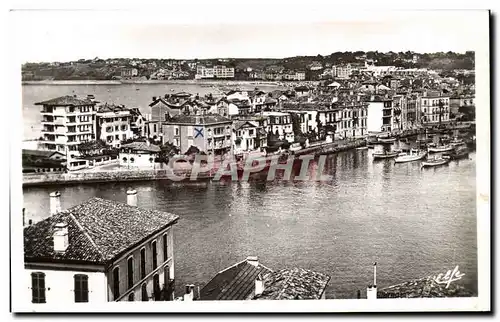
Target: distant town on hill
(292, 68)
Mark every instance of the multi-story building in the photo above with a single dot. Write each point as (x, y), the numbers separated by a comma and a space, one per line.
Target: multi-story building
(210, 133)
(247, 136)
(113, 124)
(413, 111)
(341, 71)
(67, 121)
(399, 119)
(129, 72)
(458, 101)
(280, 124)
(217, 71)
(352, 114)
(379, 118)
(99, 251)
(435, 109)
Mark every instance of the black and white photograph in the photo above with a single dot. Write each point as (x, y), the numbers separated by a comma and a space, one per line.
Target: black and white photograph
(209, 160)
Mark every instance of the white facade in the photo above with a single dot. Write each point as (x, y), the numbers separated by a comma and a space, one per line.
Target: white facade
(59, 284)
(247, 138)
(114, 127)
(137, 159)
(64, 127)
(374, 119)
(281, 123)
(218, 71)
(430, 109)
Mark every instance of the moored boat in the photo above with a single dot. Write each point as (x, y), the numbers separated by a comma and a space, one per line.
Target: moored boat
(413, 155)
(386, 154)
(388, 140)
(435, 162)
(362, 147)
(440, 148)
(458, 153)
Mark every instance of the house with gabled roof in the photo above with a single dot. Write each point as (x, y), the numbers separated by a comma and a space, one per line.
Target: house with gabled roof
(99, 251)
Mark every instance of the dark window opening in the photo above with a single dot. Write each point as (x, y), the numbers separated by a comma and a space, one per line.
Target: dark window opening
(81, 288)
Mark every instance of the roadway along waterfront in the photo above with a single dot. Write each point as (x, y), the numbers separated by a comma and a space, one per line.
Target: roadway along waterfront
(413, 222)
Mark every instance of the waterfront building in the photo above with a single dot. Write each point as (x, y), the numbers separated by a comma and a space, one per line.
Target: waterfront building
(280, 124)
(67, 121)
(163, 108)
(246, 136)
(379, 118)
(138, 155)
(413, 112)
(113, 124)
(435, 108)
(351, 116)
(217, 71)
(257, 99)
(210, 133)
(129, 72)
(399, 119)
(99, 251)
(237, 107)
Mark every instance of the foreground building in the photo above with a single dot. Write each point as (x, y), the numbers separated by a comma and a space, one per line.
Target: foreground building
(250, 280)
(99, 251)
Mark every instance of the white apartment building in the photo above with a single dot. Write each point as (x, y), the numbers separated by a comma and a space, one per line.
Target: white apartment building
(114, 124)
(67, 121)
(434, 109)
(98, 251)
(217, 71)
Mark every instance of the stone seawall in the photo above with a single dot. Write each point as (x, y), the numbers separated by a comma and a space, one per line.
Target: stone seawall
(104, 176)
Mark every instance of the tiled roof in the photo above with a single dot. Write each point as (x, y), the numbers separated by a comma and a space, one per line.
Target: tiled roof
(425, 287)
(234, 283)
(198, 119)
(40, 153)
(240, 124)
(141, 146)
(301, 88)
(294, 284)
(66, 101)
(111, 108)
(98, 230)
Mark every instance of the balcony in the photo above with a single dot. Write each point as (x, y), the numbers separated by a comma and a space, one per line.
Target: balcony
(48, 130)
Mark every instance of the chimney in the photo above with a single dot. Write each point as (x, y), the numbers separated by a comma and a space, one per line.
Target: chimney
(259, 285)
(60, 236)
(189, 295)
(154, 98)
(132, 197)
(253, 260)
(55, 202)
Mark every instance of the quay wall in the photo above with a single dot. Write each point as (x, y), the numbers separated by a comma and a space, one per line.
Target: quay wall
(38, 179)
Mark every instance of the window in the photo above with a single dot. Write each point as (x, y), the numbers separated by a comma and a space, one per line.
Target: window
(116, 283)
(165, 248)
(132, 160)
(154, 128)
(155, 261)
(309, 116)
(143, 263)
(124, 137)
(117, 137)
(144, 293)
(130, 272)
(124, 127)
(81, 288)
(250, 132)
(117, 127)
(176, 130)
(37, 287)
(131, 297)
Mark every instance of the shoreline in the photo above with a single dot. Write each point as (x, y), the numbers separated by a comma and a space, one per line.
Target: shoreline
(221, 82)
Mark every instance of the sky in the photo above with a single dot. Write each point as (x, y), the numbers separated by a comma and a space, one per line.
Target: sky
(249, 33)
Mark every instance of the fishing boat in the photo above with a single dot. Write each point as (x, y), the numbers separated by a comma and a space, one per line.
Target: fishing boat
(385, 155)
(362, 147)
(440, 148)
(460, 152)
(435, 162)
(388, 140)
(413, 155)
(456, 142)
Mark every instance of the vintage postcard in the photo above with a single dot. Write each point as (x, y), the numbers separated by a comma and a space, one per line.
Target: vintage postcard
(194, 163)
